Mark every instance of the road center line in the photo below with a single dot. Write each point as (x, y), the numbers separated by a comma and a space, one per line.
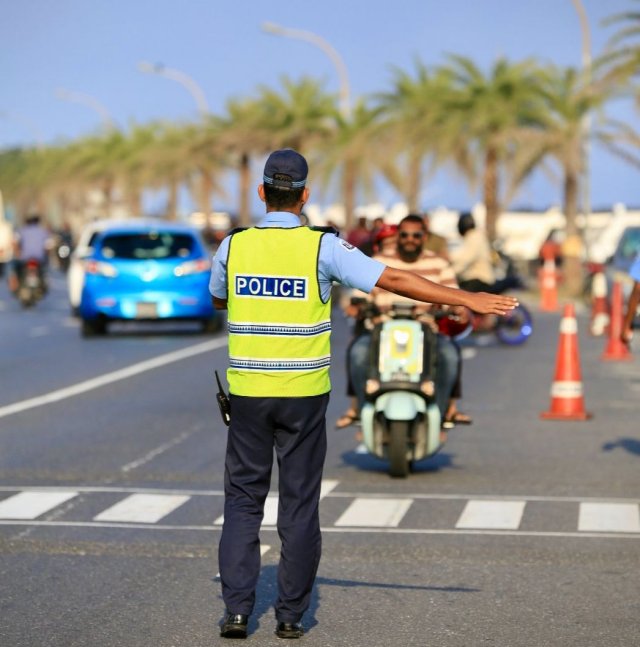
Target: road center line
(109, 378)
(155, 452)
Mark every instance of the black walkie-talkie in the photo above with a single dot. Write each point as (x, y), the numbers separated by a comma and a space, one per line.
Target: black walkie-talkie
(223, 402)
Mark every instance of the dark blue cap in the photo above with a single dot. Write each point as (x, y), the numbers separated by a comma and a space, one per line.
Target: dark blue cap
(286, 169)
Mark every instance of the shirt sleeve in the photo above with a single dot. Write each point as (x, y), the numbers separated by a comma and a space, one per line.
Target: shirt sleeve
(342, 262)
(218, 280)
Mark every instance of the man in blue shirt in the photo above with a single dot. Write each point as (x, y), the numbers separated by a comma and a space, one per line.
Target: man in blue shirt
(634, 301)
(279, 383)
(31, 242)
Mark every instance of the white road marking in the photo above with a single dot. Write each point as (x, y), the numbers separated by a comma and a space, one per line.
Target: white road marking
(331, 529)
(39, 331)
(271, 504)
(155, 452)
(375, 512)
(115, 376)
(494, 515)
(29, 505)
(609, 517)
(142, 508)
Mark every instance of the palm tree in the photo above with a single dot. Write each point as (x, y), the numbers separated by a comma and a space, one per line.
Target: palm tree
(299, 115)
(569, 97)
(484, 113)
(352, 151)
(415, 128)
(243, 135)
(622, 57)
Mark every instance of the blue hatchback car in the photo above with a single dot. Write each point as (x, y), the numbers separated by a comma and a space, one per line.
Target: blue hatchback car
(147, 270)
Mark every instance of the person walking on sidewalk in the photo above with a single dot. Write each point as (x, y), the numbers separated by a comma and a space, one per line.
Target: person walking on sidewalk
(275, 280)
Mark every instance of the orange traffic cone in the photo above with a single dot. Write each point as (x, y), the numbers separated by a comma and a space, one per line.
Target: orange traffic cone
(616, 349)
(599, 307)
(547, 278)
(567, 401)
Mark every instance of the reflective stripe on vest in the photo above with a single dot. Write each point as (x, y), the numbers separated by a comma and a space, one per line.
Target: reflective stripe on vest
(279, 327)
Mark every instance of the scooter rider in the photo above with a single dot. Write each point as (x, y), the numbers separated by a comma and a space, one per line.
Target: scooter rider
(31, 241)
(279, 382)
(410, 255)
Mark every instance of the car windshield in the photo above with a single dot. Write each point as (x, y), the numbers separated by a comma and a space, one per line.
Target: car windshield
(630, 243)
(148, 245)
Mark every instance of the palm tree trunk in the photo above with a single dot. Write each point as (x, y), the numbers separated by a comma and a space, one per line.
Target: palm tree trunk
(490, 186)
(244, 216)
(572, 247)
(172, 201)
(413, 189)
(205, 191)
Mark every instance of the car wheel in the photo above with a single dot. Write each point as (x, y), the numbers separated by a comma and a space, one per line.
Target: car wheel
(93, 327)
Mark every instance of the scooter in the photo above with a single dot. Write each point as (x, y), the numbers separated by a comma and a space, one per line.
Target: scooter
(400, 420)
(31, 287)
(511, 329)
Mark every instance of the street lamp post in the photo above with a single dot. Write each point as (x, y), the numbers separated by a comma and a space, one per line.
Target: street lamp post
(180, 77)
(586, 121)
(328, 49)
(90, 102)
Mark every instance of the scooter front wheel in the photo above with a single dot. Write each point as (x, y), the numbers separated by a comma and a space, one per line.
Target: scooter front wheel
(397, 448)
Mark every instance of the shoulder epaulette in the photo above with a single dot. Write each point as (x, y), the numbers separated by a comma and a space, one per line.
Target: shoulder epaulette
(327, 230)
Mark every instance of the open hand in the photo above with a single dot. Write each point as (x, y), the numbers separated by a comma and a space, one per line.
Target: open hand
(496, 304)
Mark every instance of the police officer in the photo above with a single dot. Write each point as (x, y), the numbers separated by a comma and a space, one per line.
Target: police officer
(275, 279)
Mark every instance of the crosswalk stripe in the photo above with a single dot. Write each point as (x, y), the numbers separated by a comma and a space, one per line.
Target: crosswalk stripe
(494, 515)
(609, 517)
(387, 513)
(29, 505)
(143, 508)
(271, 504)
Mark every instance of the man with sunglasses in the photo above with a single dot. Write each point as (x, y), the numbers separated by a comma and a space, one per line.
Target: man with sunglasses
(410, 255)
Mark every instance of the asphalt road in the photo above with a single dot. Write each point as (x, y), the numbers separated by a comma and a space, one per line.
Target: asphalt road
(520, 532)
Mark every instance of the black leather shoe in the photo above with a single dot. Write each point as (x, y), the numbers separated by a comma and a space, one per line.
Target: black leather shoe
(289, 630)
(234, 625)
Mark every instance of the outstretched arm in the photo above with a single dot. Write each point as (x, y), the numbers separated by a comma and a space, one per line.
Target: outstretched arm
(632, 306)
(219, 304)
(414, 286)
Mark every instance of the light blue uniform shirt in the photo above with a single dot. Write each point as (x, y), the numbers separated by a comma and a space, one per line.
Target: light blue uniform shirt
(634, 270)
(338, 261)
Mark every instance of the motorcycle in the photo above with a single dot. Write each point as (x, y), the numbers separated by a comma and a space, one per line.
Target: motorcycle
(63, 255)
(400, 420)
(511, 329)
(31, 287)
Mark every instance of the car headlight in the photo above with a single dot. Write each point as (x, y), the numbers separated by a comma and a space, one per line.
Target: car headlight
(192, 267)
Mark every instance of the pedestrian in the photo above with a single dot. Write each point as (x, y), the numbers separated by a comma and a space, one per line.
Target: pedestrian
(275, 280)
(634, 301)
(473, 260)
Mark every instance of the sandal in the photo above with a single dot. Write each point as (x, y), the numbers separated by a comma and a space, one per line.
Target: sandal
(458, 418)
(347, 419)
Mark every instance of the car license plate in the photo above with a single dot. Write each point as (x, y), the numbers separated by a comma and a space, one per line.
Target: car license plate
(146, 310)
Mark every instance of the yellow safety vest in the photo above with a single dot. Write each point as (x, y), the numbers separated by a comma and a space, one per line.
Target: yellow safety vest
(279, 327)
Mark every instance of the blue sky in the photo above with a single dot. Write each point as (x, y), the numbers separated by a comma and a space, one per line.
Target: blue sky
(92, 47)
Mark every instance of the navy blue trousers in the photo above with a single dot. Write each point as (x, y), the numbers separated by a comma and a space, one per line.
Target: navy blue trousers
(296, 429)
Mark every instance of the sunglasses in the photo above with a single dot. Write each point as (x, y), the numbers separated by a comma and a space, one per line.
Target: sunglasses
(411, 234)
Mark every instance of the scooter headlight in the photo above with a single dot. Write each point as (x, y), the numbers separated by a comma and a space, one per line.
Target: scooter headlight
(428, 387)
(371, 386)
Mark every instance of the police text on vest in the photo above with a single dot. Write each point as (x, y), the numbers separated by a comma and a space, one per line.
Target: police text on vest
(271, 287)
